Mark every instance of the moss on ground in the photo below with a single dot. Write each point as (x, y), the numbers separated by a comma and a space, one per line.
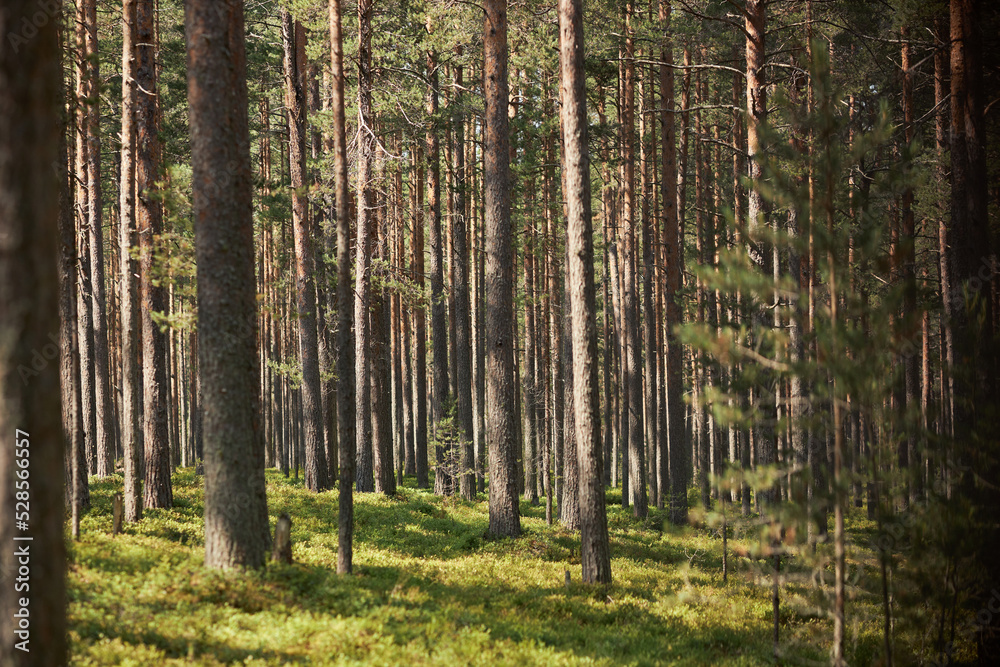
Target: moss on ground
(430, 589)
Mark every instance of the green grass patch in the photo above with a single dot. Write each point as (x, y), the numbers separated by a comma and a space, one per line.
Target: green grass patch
(430, 589)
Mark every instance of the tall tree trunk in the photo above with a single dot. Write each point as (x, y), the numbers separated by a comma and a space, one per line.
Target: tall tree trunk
(909, 461)
(439, 306)
(460, 289)
(630, 301)
(31, 453)
(294, 40)
(345, 301)
(129, 307)
(530, 335)
(674, 465)
(157, 490)
(505, 518)
(85, 329)
(594, 547)
(103, 402)
(362, 265)
(236, 526)
(378, 314)
(420, 330)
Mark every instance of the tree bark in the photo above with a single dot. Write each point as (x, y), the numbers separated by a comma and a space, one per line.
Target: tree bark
(460, 289)
(236, 530)
(345, 302)
(129, 305)
(439, 305)
(316, 470)
(31, 454)
(505, 519)
(157, 490)
(420, 330)
(630, 302)
(674, 464)
(594, 547)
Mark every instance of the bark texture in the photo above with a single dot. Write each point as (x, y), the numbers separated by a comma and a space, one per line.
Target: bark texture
(505, 519)
(236, 531)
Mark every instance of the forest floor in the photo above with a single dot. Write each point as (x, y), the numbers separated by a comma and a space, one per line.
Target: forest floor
(429, 589)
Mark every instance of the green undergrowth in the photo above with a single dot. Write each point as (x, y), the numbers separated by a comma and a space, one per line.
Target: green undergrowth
(431, 589)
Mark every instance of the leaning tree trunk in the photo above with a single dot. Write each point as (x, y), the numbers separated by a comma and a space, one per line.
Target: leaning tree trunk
(505, 519)
(31, 453)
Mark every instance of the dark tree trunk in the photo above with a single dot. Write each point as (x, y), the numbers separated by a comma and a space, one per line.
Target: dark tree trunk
(316, 471)
(420, 332)
(103, 403)
(381, 377)
(673, 465)
(157, 490)
(236, 530)
(460, 289)
(31, 454)
(439, 306)
(345, 302)
(630, 302)
(505, 519)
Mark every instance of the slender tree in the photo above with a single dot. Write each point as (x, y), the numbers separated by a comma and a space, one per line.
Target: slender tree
(294, 39)
(157, 490)
(460, 287)
(439, 305)
(362, 264)
(345, 300)
(129, 304)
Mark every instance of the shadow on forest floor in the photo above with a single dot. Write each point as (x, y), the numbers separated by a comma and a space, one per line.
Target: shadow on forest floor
(428, 588)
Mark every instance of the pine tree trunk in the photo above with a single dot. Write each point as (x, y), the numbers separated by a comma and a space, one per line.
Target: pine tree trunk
(420, 330)
(345, 305)
(630, 301)
(505, 518)
(594, 548)
(316, 470)
(675, 463)
(30, 418)
(236, 530)
(439, 306)
(129, 307)
(157, 490)
(378, 315)
(460, 288)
